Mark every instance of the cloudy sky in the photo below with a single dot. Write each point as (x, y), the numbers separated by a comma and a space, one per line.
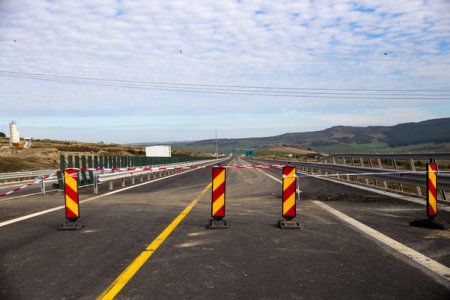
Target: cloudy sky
(138, 71)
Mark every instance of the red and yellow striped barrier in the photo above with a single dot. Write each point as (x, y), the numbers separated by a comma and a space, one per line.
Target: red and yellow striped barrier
(289, 192)
(218, 198)
(71, 201)
(289, 196)
(218, 193)
(71, 195)
(431, 190)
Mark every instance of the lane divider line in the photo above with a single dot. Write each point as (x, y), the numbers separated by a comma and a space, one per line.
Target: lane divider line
(426, 262)
(139, 261)
(36, 214)
(431, 267)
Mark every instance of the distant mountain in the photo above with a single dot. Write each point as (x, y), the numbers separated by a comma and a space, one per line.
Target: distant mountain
(421, 136)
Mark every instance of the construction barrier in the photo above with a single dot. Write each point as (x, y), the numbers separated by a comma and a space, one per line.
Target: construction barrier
(218, 198)
(289, 197)
(71, 201)
(431, 190)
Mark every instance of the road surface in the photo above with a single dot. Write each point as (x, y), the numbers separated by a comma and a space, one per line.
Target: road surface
(252, 259)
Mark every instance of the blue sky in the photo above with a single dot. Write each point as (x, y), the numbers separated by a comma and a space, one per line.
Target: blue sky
(318, 45)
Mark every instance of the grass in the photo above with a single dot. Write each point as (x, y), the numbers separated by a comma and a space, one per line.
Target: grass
(379, 147)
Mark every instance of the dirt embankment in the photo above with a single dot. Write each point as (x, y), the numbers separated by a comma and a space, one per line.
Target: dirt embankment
(44, 154)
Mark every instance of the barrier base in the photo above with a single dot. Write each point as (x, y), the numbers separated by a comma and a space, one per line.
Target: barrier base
(427, 223)
(217, 224)
(291, 224)
(69, 225)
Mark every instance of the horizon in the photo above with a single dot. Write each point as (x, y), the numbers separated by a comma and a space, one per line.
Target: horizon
(224, 138)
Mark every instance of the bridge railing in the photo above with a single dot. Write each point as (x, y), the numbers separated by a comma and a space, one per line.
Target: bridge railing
(398, 172)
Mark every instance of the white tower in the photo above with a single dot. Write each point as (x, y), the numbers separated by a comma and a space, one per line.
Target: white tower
(14, 136)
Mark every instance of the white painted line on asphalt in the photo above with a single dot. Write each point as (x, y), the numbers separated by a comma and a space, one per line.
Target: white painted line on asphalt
(30, 216)
(36, 214)
(424, 261)
(384, 193)
(272, 177)
(436, 268)
(27, 195)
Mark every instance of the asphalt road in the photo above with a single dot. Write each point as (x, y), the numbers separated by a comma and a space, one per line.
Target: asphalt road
(252, 259)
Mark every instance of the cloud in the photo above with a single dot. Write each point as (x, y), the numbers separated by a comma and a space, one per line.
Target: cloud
(339, 44)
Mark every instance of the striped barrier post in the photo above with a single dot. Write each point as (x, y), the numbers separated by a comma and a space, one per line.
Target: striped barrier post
(431, 190)
(71, 201)
(289, 198)
(431, 199)
(218, 198)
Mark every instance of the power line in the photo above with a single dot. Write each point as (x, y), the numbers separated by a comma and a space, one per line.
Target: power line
(242, 90)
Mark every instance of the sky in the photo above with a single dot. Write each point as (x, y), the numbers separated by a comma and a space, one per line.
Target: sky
(153, 71)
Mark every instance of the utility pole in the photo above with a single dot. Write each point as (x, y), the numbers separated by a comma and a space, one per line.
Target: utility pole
(217, 146)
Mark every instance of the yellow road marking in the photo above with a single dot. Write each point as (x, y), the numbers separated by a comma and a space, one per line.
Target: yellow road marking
(112, 291)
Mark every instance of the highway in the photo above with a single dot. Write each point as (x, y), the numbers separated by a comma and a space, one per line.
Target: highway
(132, 249)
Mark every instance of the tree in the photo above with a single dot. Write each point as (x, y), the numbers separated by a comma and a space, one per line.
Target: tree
(2, 134)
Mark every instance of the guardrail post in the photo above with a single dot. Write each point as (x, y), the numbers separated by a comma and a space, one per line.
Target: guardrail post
(345, 162)
(413, 168)
(95, 181)
(141, 178)
(123, 182)
(366, 180)
(394, 163)
(380, 165)
(133, 180)
(334, 162)
(444, 196)
(43, 187)
(111, 185)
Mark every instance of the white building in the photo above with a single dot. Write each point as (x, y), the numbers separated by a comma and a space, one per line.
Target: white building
(14, 136)
(158, 151)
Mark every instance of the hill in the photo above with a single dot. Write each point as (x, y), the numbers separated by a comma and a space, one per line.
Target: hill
(430, 135)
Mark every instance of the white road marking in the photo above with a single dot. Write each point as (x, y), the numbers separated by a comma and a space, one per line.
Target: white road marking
(441, 272)
(424, 261)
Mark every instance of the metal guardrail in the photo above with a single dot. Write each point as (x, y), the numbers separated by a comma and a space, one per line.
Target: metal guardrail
(407, 177)
(169, 168)
(416, 178)
(21, 176)
(406, 156)
(99, 177)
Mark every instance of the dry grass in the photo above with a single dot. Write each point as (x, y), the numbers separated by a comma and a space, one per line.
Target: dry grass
(293, 150)
(44, 154)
